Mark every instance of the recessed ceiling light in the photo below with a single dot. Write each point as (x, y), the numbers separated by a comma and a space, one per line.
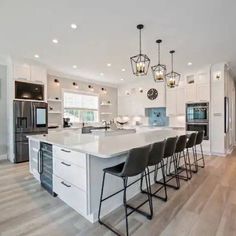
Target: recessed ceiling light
(73, 26)
(109, 64)
(101, 74)
(55, 41)
(74, 66)
(190, 63)
(121, 79)
(123, 69)
(36, 56)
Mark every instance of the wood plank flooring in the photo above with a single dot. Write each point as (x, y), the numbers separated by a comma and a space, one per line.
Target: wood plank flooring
(206, 205)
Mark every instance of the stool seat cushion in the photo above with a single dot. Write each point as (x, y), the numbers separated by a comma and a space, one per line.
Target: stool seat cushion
(115, 170)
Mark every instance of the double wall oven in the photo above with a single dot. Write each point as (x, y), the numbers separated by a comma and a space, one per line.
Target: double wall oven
(197, 118)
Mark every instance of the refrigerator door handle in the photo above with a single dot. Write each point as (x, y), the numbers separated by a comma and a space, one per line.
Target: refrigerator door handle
(38, 157)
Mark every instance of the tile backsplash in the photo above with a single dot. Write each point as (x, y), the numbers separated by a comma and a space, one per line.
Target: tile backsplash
(157, 116)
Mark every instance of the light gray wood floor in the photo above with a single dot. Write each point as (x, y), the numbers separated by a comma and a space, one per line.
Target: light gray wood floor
(206, 205)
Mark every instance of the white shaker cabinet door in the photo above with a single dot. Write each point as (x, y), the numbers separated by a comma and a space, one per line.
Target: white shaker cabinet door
(180, 99)
(171, 102)
(190, 93)
(38, 74)
(203, 92)
(21, 71)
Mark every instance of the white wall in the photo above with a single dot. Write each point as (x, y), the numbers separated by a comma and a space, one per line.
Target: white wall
(135, 103)
(67, 83)
(3, 112)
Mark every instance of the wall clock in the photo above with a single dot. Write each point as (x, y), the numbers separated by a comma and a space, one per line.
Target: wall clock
(152, 94)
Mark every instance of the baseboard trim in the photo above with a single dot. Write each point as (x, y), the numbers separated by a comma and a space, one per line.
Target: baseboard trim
(3, 157)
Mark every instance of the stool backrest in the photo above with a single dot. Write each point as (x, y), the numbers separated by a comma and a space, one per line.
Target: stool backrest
(181, 143)
(192, 140)
(136, 161)
(157, 153)
(170, 146)
(200, 136)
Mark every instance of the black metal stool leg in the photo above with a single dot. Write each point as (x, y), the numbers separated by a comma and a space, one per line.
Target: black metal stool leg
(195, 160)
(100, 203)
(189, 164)
(203, 158)
(125, 205)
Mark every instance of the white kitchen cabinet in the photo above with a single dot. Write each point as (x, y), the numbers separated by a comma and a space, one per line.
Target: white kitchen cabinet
(38, 74)
(21, 71)
(203, 92)
(171, 108)
(180, 100)
(175, 101)
(190, 93)
(34, 147)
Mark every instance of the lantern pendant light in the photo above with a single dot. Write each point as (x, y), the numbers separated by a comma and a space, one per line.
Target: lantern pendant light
(159, 70)
(172, 78)
(140, 63)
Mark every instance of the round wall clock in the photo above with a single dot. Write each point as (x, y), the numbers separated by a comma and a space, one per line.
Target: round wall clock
(152, 93)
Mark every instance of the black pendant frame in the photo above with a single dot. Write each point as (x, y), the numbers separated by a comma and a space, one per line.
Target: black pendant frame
(141, 62)
(159, 70)
(172, 78)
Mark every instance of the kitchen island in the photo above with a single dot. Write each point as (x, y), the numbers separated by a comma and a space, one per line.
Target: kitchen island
(78, 161)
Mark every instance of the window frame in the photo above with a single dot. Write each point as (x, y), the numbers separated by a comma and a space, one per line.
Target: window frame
(84, 109)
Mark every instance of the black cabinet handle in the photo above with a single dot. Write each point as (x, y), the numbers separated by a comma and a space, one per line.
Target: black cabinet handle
(65, 164)
(67, 185)
(63, 150)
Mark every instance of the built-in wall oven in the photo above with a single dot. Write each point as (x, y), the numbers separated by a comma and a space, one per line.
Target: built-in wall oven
(197, 118)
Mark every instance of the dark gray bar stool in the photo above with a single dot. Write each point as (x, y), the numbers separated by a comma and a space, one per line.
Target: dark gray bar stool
(199, 140)
(191, 145)
(156, 159)
(135, 164)
(169, 152)
(180, 153)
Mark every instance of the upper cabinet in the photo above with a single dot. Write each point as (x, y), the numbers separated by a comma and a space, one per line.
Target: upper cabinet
(21, 71)
(175, 101)
(32, 74)
(38, 74)
(198, 87)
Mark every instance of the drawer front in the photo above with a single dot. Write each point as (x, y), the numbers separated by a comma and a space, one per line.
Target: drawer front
(72, 196)
(76, 158)
(70, 173)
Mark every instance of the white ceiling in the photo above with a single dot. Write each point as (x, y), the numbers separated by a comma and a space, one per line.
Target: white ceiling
(201, 31)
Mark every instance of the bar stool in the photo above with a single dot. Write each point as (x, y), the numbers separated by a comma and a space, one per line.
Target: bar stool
(191, 144)
(156, 159)
(199, 140)
(170, 147)
(179, 152)
(135, 164)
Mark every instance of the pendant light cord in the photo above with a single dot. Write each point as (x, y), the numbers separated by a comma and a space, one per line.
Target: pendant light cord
(172, 61)
(140, 38)
(159, 54)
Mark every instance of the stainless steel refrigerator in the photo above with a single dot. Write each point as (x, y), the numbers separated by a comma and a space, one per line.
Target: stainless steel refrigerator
(29, 118)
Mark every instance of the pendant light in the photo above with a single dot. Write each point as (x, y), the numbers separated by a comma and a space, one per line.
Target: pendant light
(172, 78)
(159, 70)
(140, 63)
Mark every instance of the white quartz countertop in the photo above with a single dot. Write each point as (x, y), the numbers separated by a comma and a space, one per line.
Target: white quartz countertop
(105, 146)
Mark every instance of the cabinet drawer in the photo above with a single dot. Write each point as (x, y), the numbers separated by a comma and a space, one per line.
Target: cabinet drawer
(71, 195)
(76, 158)
(70, 173)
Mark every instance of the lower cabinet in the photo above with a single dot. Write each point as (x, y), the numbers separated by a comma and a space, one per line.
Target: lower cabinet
(70, 178)
(34, 147)
(70, 194)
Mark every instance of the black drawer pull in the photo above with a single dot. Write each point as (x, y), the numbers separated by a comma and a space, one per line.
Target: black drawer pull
(65, 164)
(67, 185)
(63, 150)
